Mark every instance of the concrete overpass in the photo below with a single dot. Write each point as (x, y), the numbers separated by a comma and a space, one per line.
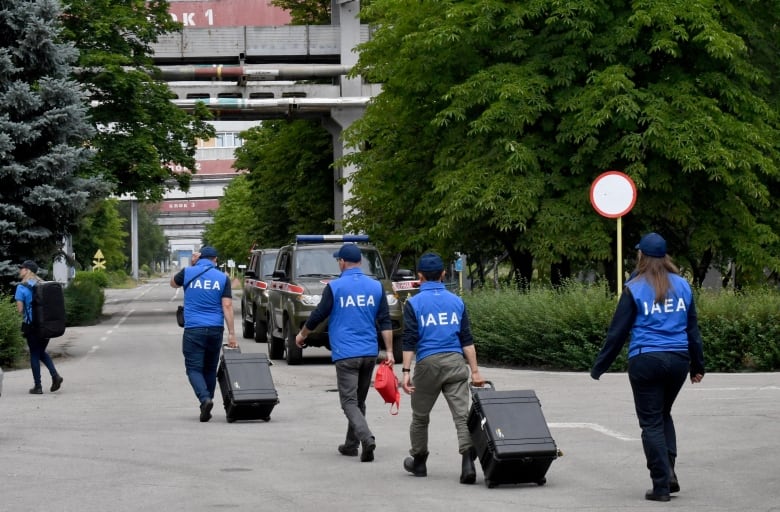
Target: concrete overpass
(245, 74)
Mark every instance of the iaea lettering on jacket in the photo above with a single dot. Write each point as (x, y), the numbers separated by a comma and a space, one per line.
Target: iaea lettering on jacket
(439, 314)
(203, 295)
(352, 324)
(660, 327)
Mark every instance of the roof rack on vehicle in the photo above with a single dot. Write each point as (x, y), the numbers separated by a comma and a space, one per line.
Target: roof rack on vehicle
(318, 239)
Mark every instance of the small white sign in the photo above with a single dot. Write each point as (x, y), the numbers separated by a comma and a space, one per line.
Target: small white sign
(613, 194)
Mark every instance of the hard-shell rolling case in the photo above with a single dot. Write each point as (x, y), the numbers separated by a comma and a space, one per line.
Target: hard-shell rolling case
(511, 436)
(248, 390)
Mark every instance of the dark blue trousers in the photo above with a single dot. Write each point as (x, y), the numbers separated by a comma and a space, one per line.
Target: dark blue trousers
(656, 379)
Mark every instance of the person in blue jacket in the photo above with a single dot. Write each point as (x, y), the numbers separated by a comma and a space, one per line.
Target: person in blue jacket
(657, 310)
(37, 345)
(208, 306)
(438, 334)
(355, 305)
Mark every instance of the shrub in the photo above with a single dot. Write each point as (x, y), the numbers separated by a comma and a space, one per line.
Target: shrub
(99, 277)
(551, 328)
(83, 301)
(564, 328)
(11, 340)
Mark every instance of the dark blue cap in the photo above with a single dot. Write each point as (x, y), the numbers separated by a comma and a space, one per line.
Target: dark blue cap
(208, 252)
(348, 252)
(430, 262)
(653, 245)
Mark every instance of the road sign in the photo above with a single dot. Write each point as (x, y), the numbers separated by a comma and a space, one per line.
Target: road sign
(98, 263)
(613, 194)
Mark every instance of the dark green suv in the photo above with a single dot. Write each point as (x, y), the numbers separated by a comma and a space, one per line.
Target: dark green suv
(254, 302)
(302, 270)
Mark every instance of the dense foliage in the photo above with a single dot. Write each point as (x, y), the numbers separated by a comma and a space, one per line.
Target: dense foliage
(44, 136)
(11, 340)
(291, 182)
(564, 328)
(496, 116)
(141, 137)
(84, 298)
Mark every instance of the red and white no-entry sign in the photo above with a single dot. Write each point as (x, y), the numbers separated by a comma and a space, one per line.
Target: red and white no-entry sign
(613, 194)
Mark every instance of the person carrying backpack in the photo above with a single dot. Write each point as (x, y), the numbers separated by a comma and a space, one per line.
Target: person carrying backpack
(37, 345)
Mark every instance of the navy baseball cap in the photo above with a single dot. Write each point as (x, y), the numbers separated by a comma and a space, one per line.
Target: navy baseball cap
(208, 252)
(652, 244)
(430, 262)
(30, 265)
(348, 252)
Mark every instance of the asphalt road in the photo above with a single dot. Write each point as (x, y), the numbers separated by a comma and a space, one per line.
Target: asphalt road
(123, 435)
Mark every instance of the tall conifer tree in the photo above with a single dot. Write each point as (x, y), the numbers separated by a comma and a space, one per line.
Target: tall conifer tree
(44, 136)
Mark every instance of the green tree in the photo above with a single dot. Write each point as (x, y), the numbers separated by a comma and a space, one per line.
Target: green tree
(44, 136)
(103, 229)
(234, 223)
(495, 117)
(306, 12)
(290, 179)
(152, 243)
(141, 136)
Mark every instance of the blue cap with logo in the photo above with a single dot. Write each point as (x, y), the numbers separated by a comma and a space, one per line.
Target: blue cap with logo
(348, 252)
(430, 262)
(653, 245)
(208, 252)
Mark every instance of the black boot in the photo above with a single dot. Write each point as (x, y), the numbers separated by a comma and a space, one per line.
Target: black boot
(468, 473)
(416, 465)
(674, 484)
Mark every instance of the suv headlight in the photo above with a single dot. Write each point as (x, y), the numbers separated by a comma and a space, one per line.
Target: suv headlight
(392, 300)
(311, 300)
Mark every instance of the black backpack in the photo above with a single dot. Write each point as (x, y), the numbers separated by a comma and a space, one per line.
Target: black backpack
(48, 309)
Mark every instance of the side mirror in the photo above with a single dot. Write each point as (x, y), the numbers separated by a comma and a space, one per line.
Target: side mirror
(280, 275)
(250, 274)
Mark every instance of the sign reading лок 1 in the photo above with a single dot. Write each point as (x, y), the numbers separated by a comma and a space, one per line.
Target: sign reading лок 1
(613, 194)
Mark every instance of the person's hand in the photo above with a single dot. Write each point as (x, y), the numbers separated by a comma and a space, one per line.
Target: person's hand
(300, 341)
(389, 360)
(232, 343)
(195, 258)
(695, 379)
(476, 379)
(408, 388)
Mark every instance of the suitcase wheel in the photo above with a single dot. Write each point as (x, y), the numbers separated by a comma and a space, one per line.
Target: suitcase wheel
(490, 484)
(230, 420)
(542, 481)
(267, 418)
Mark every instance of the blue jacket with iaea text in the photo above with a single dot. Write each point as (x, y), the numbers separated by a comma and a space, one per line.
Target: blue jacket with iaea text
(355, 304)
(204, 287)
(671, 325)
(435, 321)
(660, 327)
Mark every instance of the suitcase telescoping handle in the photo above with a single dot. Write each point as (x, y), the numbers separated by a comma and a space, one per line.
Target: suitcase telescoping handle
(488, 384)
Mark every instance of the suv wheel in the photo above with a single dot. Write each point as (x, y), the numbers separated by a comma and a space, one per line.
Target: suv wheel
(292, 352)
(247, 328)
(275, 345)
(261, 329)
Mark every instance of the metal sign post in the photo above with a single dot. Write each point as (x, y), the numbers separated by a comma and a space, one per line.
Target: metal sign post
(612, 195)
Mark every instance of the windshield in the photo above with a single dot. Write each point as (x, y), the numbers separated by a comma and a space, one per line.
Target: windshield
(320, 262)
(269, 260)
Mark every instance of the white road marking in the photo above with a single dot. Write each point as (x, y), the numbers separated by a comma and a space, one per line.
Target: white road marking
(596, 427)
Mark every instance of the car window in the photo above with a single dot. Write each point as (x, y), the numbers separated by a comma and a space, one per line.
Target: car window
(316, 262)
(269, 260)
(371, 264)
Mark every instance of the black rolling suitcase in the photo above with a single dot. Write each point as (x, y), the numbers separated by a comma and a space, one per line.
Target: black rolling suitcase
(248, 390)
(511, 436)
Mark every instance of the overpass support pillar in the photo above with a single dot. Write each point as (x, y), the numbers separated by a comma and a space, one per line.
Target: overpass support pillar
(341, 119)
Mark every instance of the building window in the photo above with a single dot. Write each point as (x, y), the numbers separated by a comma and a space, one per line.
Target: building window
(228, 140)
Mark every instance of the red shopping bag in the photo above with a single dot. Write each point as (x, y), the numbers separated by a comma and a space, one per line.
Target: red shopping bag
(387, 384)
